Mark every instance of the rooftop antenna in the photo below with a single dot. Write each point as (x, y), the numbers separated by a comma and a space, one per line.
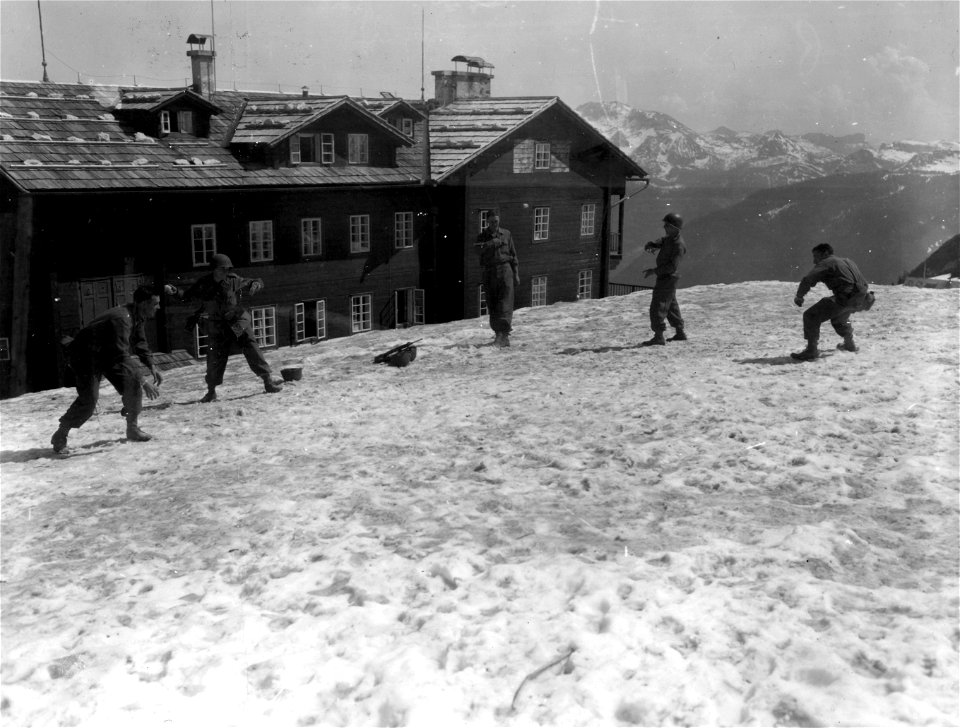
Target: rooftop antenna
(421, 54)
(213, 49)
(43, 51)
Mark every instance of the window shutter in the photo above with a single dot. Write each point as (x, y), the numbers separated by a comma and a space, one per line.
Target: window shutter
(523, 153)
(559, 156)
(295, 149)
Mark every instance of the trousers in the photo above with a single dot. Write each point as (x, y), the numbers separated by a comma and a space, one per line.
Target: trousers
(498, 287)
(663, 305)
(89, 375)
(220, 343)
(829, 309)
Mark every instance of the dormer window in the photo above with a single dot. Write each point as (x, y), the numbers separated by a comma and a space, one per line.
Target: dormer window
(164, 122)
(311, 148)
(407, 127)
(358, 148)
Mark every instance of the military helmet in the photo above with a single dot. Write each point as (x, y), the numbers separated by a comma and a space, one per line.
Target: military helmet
(219, 260)
(672, 218)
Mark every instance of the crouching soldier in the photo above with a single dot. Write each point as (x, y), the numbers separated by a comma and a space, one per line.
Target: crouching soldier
(228, 323)
(850, 294)
(110, 346)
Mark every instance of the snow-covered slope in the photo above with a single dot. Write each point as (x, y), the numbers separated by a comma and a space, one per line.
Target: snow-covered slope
(698, 534)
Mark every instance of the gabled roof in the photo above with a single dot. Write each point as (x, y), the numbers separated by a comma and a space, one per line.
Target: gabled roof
(138, 99)
(384, 106)
(270, 120)
(64, 138)
(463, 130)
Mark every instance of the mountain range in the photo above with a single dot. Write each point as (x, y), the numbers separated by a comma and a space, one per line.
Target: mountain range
(755, 203)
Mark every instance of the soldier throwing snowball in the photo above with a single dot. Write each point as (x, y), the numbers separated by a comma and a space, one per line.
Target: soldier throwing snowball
(850, 294)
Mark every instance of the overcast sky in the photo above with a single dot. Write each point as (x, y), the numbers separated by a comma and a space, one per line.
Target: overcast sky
(885, 69)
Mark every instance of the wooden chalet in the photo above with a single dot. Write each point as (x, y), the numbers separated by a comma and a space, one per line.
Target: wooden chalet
(358, 213)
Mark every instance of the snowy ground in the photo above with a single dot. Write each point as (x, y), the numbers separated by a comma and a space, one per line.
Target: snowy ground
(714, 535)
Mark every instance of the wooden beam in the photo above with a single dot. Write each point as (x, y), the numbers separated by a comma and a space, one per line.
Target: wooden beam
(20, 320)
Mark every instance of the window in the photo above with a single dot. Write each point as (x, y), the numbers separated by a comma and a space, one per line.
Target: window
(164, 122)
(541, 223)
(359, 233)
(585, 284)
(541, 155)
(308, 152)
(185, 122)
(321, 319)
(261, 240)
(204, 239)
(539, 293)
(358, 149)
(265, 325)
(360, 313)
(310, 319)
(407, 127)
(588, 216)
(403, 230)
(295, 155)
(299, 322)
(482, 301)
(200, 341)
(311, 240)
(483, 219)
(326, 149)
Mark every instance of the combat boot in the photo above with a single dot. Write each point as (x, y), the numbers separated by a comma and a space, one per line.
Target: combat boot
(657, 340)
(808, 354)
(59, 441)
(210, 396)
(135, 434)
(848, 344)
(678, 336)
(504, 339)
(271, 386)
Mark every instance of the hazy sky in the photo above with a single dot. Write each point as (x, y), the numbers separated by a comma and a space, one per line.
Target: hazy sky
(885, 69)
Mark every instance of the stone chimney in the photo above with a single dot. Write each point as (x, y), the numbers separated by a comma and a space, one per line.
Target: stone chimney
(201, 61)
(472, 83)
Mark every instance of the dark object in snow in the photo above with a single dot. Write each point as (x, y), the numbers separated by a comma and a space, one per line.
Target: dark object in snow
(291, 374)
(803, 356)
(398, 356)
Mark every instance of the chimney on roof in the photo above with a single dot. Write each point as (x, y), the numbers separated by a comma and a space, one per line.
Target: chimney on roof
(305, 90)
(472, 83)
(201, 61)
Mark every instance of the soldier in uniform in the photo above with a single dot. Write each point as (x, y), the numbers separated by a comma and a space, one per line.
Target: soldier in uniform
(670, 250)
(228, 323)
(501, 272)
(850, 294)
(109, 346)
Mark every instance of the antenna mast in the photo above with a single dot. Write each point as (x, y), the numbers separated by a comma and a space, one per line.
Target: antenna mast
(43, 51)
(421, 53)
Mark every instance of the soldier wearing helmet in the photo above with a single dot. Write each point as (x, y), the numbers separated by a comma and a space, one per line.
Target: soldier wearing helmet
(228, 323)
(670, 250)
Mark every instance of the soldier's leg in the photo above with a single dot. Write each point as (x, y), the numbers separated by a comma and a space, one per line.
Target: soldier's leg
(506, 298)
(88, 392)
(823, 310)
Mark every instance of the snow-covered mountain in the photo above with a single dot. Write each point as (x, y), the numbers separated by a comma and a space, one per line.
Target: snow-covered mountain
(674, 154)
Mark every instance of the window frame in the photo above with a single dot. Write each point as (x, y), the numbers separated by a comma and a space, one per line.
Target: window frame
(261, 240)
(361, 313)
(541, 224)
(358, 149)
(585, 283)
(403, 230)
(264, 325)
(482, 301)
(360, 233)
(588, 219)
(538, 291)
(165, 127)
(541, 155)
(191, 126)
(406, 126)
(316, 242)
(321, 318)
(327, 150)
(205, 253)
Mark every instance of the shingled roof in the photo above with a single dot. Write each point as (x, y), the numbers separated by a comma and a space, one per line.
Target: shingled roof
(65, 137)
(462, 130)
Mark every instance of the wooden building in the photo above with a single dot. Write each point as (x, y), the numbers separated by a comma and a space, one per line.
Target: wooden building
(358, 213)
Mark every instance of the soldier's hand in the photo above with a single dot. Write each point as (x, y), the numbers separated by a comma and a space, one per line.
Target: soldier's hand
(649, 247)
(649, 272)
(170, 290)
(157, 377)
(256, 287)
(798, 300)
(151, 390)
(516, 278)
